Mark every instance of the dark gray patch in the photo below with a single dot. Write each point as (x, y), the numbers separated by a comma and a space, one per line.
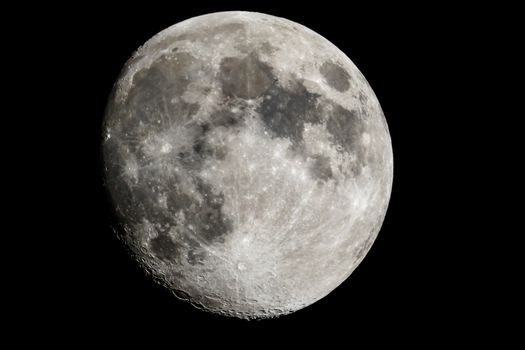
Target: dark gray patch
(177, 200)
(203, 150)
(320, 168)
(363, 98)
(245, 77)
(335, 76)
(140, 201)
(189, 159)
(203, 219)
(284, 111)
(148, 107)
(164, 248)
(200, 150)
(346, 129)
(192, 257)
(363, 107)
(225, 118)
(207, 217)
(267, 48)
(193, 158)
(166, 73)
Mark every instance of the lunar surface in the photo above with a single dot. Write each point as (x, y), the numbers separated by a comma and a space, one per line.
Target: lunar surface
(248, 161)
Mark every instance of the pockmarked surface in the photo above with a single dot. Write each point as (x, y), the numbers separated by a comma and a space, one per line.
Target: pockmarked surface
(248, 161)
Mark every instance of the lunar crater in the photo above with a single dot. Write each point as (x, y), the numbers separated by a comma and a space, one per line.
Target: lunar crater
(335, 76)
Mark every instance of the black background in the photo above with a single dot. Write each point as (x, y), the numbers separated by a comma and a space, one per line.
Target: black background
(417, 279)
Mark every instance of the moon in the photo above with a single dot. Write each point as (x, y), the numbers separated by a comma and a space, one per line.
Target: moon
(248, 162)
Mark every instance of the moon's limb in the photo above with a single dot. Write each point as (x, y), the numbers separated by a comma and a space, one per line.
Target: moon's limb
(249, 163)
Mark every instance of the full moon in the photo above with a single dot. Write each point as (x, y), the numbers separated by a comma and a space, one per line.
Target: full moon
(248, 162)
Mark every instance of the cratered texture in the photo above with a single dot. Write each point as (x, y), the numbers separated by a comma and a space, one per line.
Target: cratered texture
(248, 161)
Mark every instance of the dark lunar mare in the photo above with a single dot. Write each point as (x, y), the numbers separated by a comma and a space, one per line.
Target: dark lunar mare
(245, 77)
(284, 111)
(335, 76)
(320, 168)
(346, 128)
